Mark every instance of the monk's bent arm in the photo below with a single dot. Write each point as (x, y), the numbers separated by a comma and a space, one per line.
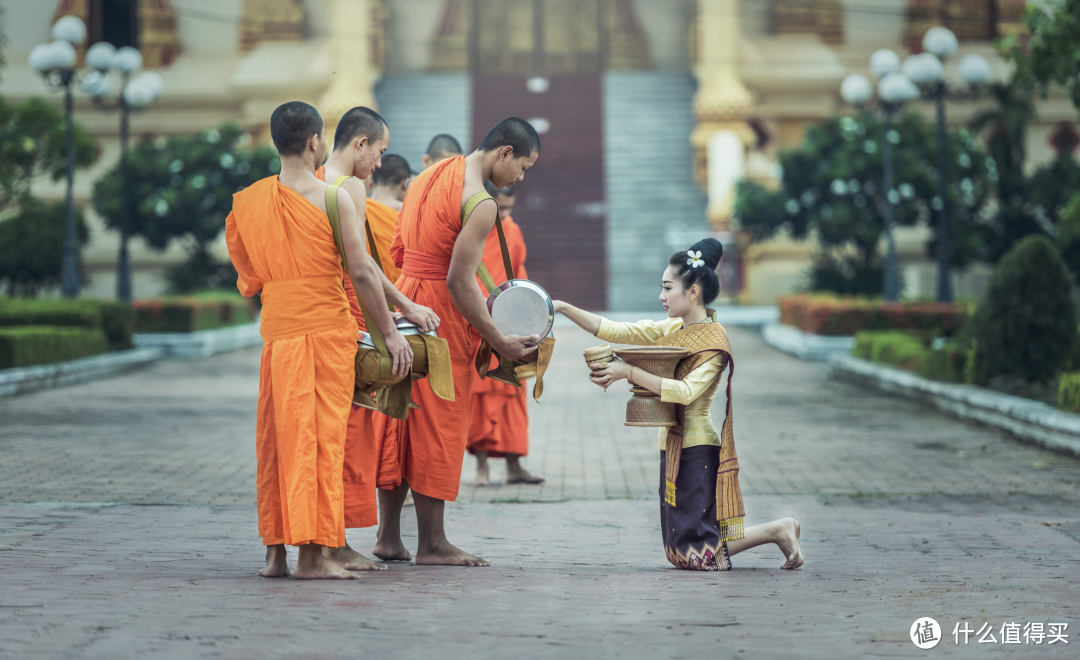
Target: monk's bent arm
(247, 281)
(461, 278)
(362, 269)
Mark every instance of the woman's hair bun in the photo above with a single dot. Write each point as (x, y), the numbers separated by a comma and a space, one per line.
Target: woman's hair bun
(711, 251)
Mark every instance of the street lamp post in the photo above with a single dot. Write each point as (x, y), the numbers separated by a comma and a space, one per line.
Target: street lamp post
(134, 94)
(927, 70)
(55, 61)
(894, 89)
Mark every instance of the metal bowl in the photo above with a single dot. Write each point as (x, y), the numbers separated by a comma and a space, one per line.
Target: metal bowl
(521, 307)
(404, 326)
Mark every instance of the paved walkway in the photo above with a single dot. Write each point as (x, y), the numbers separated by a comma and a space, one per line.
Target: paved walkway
(905, 513)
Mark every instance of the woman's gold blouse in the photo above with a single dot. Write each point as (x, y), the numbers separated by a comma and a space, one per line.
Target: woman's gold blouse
(696, 391)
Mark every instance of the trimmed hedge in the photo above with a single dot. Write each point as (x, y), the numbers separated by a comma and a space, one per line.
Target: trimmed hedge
(948, 364)
(115, 319)
(839, 317)
(23, 346)
(1069, 392)
(192, 313)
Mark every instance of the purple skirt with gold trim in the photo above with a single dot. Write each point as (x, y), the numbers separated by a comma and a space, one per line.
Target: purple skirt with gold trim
(691, 532)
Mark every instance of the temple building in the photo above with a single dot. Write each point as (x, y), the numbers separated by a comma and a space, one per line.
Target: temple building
(650, 110)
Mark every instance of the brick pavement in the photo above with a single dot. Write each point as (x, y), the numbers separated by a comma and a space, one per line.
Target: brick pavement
(905, 513)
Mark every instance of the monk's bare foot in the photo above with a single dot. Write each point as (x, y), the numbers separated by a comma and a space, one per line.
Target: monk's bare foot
(515, 474)
(391, 551)
(790, 544)
(352, 560)
(447, 555)
(523, 476)
(276, 562)
(313, 565)
(482, 477)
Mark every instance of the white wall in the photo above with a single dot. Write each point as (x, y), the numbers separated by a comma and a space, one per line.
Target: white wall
(667, 24)
(208, 26)
(26, 24)
(412, 25)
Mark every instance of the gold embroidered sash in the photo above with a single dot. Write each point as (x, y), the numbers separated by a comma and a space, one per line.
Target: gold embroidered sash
(706, 341)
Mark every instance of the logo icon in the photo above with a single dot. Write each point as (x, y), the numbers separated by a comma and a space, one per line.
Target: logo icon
(925, 633)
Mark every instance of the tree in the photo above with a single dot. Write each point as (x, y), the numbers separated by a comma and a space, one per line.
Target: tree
(832, 188)
(1051, 54)
(32, 145)
(181, 187)
(1026, 325)
(32, 245)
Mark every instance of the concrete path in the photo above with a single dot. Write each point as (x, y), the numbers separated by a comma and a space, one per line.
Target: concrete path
(127, 529)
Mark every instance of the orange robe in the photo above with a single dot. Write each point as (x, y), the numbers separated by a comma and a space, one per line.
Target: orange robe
(427, 449)
(282, 247)
(499, 417)
(382, 219)
(363, 443)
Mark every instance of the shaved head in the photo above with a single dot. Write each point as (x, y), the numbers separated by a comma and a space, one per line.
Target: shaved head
(291, 126)
(443, 146)
(359, 122)
(513, 132)
(394, 171)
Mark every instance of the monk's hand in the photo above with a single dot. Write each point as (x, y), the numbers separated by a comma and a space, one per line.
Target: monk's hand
(400, 352)
(516, 347)
(422, 316)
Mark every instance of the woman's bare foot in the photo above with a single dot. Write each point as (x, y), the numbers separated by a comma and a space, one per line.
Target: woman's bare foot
(312, 565)
(515, 474)
(277, 564)
(448, 555)
(352, 560)
(790, 544)
(391, 550)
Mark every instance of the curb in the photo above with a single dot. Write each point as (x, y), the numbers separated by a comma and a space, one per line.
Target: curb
(46, 376)
(814, 348)
(202, 344)
(1028, 420)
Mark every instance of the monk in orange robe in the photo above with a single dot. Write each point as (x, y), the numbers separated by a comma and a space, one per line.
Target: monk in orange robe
(360, 140)
(499, 416)
(438, 252)
(281, 243)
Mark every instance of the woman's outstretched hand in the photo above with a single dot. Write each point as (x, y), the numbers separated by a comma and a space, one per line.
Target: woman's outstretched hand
(605, 375)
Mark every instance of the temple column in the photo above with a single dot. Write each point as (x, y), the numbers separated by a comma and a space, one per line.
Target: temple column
(722, 107)
(356, 64)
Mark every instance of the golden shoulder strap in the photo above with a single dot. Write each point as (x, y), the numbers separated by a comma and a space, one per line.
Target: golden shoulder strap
(386, 363)
(482, 271)
(373, 247)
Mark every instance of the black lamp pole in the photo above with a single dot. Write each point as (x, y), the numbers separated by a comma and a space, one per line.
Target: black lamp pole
(69, 265)
(123, 279)
(944, 247)
(891, 283)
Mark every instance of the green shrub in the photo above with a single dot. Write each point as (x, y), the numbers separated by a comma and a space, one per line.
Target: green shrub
(32, 247)
(1069, 392)
(205, 311)
(911, 352)
(1026, 325)
(118, 322)
(24, 346)
(116, 319)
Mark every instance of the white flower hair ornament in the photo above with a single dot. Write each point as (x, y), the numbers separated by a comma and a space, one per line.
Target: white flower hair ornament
(695, 259)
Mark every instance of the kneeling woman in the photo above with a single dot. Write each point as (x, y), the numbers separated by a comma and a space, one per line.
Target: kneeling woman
(701, 509)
